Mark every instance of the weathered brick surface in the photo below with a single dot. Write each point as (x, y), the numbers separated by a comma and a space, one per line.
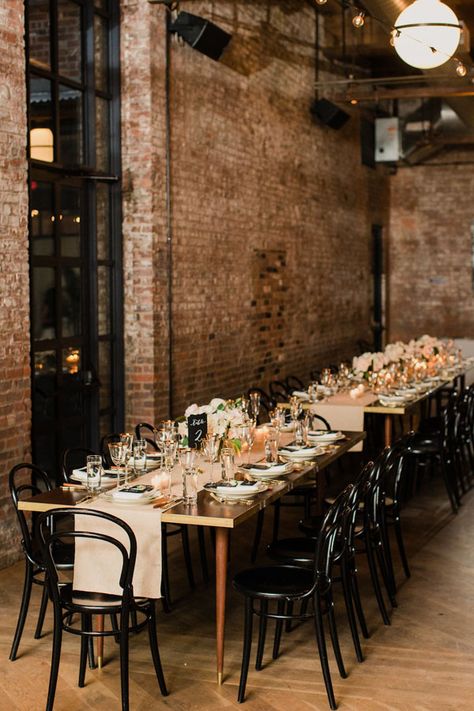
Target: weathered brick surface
(431, 247)
(14, 298)
(251, 175)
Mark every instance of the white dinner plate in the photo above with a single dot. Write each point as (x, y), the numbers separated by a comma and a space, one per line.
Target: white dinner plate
(325, 435)
(272, 471)
(294, 452)
(240, 491)
(140, 500)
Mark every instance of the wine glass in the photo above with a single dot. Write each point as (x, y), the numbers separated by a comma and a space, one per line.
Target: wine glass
(255, 402)
(117, 452)
(126, 440)
(211, 446)
(247, 433)
(278, 418)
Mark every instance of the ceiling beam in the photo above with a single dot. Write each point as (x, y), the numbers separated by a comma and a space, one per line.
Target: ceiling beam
(403, 92)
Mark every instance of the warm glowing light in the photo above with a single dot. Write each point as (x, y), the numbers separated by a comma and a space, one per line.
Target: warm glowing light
(42, 144)
(426, 34)
(359, 20)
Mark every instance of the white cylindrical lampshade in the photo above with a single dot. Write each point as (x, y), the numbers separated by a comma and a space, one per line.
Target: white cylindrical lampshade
(42, 144)
(426, 34)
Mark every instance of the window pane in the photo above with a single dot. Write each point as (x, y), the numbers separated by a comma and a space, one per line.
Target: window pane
(70, 125)
(105, 366)
(38, 33)
(101, 4)
(41, 114)
(100, 53)
(45, 363)
(105, 425)
(102, 134)
(69, 40)
(44, 303)
(42, 224)
(102, 217)
(70, 222)
(103, 300)
(71, 301)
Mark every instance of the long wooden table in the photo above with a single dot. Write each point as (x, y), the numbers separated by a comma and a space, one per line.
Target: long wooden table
(222, 517)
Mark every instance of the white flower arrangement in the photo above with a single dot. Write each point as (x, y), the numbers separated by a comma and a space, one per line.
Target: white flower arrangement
(222, 417)
(423, 347)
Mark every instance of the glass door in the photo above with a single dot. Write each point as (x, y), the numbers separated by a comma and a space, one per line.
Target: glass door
(75, 245)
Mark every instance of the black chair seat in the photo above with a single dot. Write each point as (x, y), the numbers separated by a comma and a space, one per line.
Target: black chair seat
(273, 582)
(424, 444)
(300, 551)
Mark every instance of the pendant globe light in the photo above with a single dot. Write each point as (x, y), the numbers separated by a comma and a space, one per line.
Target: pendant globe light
(426, 34)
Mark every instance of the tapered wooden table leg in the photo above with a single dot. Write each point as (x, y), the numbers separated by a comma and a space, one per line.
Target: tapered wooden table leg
(222, 543)
(100, 641)
(388, 430)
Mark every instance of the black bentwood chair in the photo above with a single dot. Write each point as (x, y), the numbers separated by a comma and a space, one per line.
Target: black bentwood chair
(74, 458)
(34, 566)
(73, 609)
(286, 585)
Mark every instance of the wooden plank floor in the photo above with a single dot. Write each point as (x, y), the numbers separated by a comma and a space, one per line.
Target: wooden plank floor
(423, 662)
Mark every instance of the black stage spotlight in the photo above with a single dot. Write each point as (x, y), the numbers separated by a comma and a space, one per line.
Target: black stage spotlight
(328, 113)
(201, 34)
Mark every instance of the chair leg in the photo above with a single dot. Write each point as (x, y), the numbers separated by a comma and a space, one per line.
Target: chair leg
(358, 602)
(261, 634)
(323, 654)
(375, 580)
(334, 636)
(276, 520)
(278, 629)
(379, 555)
(85, 625)
(387, 557)
(154, 648)
(258, 535)
(401, 546)
(289, 611)
(187, 555)
(55, 657)
(42, 611)
(25, 601)
(124, 623)
(349, 603)
(202, 553)
(453, 498)
(246, 650)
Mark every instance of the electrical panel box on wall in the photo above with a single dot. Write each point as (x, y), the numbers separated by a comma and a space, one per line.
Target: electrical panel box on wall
(387, 140)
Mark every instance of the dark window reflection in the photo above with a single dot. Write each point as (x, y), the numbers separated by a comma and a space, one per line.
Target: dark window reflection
(70, 222)
(70, 125)
(44, 303)
(39, 33)
(42, 224)
(71, 361)
(71, 301)
(105, 393)
(69, 40)
(103, 300)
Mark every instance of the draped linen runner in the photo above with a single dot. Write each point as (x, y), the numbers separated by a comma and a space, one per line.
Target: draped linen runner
(345, 413)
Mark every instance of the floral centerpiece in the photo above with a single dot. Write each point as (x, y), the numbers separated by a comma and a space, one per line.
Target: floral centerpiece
(223, 418)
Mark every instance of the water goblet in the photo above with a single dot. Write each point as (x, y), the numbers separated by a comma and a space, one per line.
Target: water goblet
(117, 452)
(93, 473)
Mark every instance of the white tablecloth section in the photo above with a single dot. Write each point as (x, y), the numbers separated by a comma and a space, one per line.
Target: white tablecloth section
(345, 413)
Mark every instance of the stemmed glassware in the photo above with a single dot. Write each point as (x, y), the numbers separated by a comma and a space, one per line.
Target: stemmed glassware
(277, 419)
(247, 435)
(118, 454)
(210, 449)
(255, 402)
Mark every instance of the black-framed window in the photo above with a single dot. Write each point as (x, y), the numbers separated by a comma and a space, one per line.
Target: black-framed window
(75, 236)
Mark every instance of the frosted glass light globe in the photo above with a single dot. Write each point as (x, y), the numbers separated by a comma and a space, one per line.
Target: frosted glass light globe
(424, 26)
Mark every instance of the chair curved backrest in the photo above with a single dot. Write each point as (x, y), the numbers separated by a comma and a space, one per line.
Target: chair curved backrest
(327, 552)
(119, 530)
(321, 419)
(38, 482)
(292, 382)
(143, 430)
(278, 391)
(74, 458)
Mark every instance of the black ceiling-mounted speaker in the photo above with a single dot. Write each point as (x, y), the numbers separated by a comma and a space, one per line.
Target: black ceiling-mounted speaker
(328, 113)
(201, 34)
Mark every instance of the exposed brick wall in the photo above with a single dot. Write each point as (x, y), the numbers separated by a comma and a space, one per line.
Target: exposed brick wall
(251, 174)
(14, 298)
(431, 218)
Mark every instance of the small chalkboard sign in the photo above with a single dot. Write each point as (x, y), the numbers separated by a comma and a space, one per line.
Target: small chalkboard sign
(197, 429)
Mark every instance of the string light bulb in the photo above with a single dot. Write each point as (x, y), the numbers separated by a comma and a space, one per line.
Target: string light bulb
(359, 20)
(320, 2)
(461, 69)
